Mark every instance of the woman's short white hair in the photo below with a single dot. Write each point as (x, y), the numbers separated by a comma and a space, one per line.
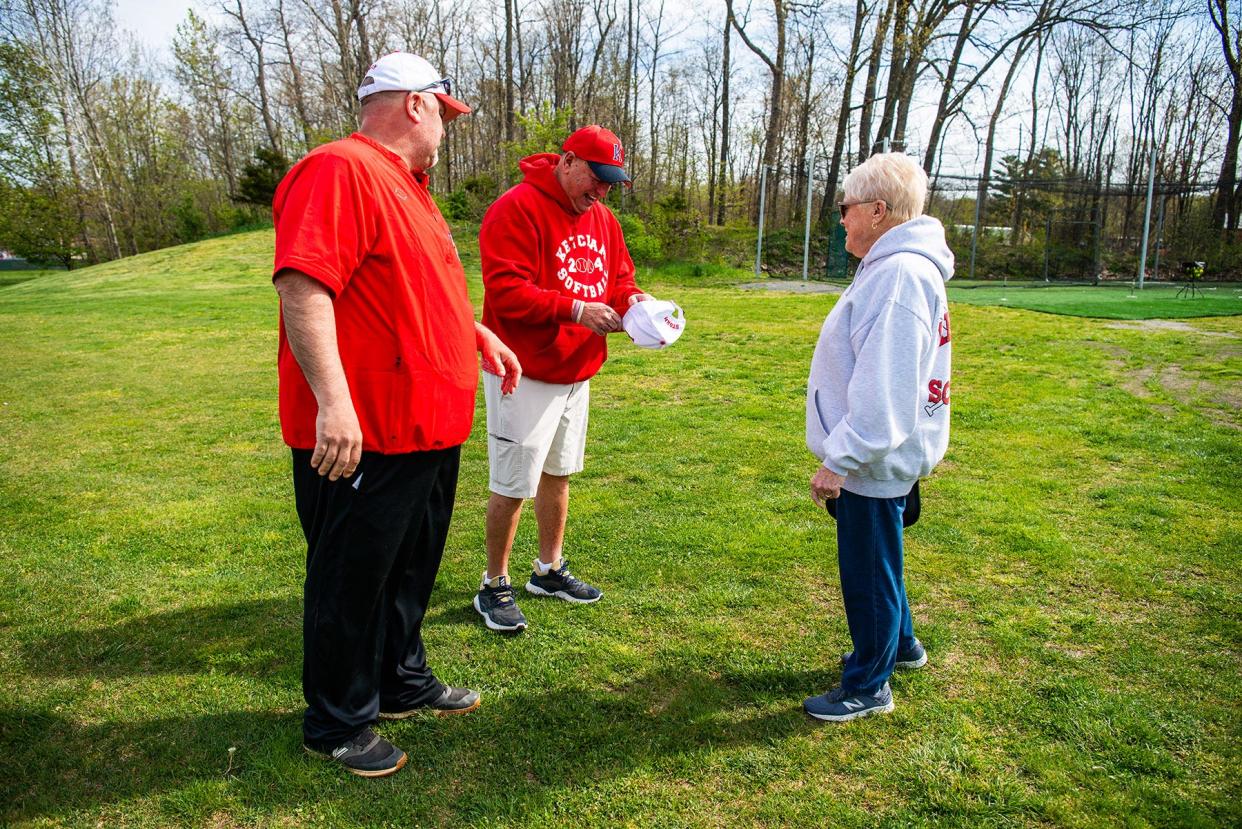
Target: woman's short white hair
(893, 178)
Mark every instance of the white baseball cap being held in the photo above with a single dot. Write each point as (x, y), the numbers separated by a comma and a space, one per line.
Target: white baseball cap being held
(654, 323)
(404, 72)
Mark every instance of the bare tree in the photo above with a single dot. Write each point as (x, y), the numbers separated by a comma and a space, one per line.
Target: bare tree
(873, 73)
(1228, 190)
(297, 84)
(843, 113)
(726, 70)
(776, 66)
(255, 34)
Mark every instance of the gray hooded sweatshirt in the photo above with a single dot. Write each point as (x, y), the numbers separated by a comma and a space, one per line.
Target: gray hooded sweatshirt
(877, 402)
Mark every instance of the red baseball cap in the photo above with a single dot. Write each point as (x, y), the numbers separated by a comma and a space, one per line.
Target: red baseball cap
(602, 150)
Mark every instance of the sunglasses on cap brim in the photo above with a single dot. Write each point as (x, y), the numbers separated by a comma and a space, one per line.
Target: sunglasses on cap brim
(445, 84)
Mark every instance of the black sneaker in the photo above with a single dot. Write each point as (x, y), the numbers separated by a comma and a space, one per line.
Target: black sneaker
(907, 660)
(452, 701)
(561, 584)
(498, 607)
(367, 755)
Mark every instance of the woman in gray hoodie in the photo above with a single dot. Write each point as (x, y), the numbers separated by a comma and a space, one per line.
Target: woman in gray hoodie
(877, 416)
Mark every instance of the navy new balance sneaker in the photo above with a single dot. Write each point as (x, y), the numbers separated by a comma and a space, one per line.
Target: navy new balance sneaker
(907, 660)
(836, 706)
(498, 607)
(561, 584)
(367, 755)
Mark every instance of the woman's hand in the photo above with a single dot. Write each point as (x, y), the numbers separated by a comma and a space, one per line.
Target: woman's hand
(824, 485)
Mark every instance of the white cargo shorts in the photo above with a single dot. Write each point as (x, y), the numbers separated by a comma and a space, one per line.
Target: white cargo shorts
(539, 428)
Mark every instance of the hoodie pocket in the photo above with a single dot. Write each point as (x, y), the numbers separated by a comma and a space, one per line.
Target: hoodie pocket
(819, 413)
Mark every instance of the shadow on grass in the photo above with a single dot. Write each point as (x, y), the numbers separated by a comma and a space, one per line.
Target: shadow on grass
(508, 758)
(53, 765)
(251, 638)
(494, 763)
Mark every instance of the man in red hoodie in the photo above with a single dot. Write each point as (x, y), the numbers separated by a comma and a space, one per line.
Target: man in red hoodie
(557, 278)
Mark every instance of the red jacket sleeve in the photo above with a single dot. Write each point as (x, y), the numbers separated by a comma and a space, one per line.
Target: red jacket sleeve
(510, 250)
(322, 229)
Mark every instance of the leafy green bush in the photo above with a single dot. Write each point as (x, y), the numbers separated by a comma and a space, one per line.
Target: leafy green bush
(678, 228)
(644, 248)
(544, 130)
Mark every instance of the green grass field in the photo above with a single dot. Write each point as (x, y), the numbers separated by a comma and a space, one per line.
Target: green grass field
(1074, 577)
(1154, 301)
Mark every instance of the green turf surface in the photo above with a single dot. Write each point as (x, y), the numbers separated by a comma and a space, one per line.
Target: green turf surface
(1074, 577)
(1153, 301)
(14, 277)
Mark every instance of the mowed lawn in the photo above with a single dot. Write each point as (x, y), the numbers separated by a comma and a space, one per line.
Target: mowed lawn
(1162, 300)
(1074, 577)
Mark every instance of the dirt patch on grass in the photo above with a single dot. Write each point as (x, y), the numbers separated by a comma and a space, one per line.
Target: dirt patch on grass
(1176, 380)
(1169, 325)
(792, 286)
(1135, 382)
(1111, 349)
(1185, 386)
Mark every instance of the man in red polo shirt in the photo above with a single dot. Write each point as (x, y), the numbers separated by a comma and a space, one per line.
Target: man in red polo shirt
(377, 385)
(557, 278)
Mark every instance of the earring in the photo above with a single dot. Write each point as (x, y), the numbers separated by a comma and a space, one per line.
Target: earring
(874, 225)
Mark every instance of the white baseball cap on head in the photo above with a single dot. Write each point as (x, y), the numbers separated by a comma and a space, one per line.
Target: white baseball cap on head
(404, 72)
(654, 323)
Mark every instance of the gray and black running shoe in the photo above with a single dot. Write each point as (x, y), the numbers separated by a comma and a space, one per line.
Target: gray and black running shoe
(451, 701)
(562, 584)
(367, 755)
(498, 607)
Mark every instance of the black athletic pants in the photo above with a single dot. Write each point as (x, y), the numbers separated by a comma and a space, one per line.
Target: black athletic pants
(374, 543)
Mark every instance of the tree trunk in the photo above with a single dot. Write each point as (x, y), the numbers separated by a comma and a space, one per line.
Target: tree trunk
(943, 111)
(896, 69)
(508, 79)
(777, 69)
(256, 41)
(295, 74)
(981, 195)
(1228, 193)
(1019, 191)
(726, 68)
(873, 73)
(843, 116)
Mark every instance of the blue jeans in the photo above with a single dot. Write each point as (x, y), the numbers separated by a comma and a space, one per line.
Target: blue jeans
(869, 552)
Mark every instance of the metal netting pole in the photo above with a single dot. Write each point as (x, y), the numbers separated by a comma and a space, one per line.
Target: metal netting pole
(974, 237)
(1155, 269)
(1151, 183)
(763, 191)
(806, 236)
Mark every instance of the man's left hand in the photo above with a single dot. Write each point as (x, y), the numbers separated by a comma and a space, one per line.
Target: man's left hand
(824, 485)
(640, 298)
(498, 358)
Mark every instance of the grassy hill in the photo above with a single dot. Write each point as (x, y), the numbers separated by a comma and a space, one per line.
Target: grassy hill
(1074, 577)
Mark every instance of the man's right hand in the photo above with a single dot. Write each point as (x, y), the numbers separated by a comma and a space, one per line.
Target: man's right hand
(338, 441)
(600, 318)
(310, 322)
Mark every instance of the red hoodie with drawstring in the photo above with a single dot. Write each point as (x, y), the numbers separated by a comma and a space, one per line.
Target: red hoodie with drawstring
(538, 257)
